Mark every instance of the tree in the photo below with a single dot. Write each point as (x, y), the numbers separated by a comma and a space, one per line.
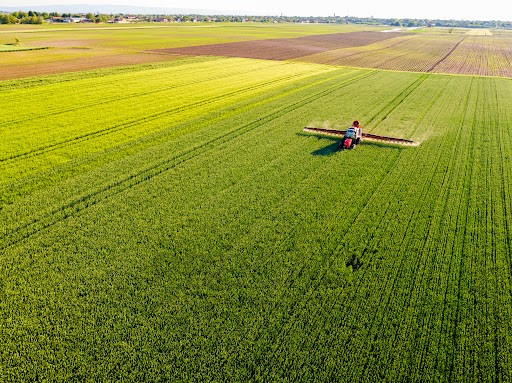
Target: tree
(32, 20)
(102, 18)
(8, 19)
(89, 16)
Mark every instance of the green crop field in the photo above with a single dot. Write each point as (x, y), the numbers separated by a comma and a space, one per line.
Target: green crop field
(171, 222)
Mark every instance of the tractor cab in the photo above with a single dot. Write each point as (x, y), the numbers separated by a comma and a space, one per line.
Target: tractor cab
(351, 138)
(354, 133)
(351, 133)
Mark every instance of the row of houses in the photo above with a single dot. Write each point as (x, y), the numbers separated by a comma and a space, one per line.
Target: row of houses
(124, 20)
(83, 19)
(131, 19)
(70, 20)
(117, 20)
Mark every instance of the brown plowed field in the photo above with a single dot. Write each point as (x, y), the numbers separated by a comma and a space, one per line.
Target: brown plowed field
(78, 64)
(284, 49)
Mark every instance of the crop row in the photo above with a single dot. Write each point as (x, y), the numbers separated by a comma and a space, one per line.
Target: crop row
(481, 55)
(442, 53)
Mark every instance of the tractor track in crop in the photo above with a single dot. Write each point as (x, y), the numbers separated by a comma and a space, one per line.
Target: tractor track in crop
(420, 207)
(399, 267)
(289, 280)
(145, 119)
(420, 263)
(450, 264)
(385, 111)
(72, 208)
(398, 261)
(461, 231)
(323, 267)
(362, 278)
(426, 244)
(436, 64)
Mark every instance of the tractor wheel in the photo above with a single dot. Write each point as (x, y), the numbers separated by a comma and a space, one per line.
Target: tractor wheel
(358, 140)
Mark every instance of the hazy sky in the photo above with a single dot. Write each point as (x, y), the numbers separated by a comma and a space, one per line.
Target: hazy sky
(443, 9)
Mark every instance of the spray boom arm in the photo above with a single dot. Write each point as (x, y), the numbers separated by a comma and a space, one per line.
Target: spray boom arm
(366, 136)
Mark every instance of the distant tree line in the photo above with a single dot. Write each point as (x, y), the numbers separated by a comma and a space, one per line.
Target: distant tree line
(32, 17)
(21, 17)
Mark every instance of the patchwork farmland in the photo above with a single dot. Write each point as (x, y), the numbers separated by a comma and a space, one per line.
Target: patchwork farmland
(170, 221)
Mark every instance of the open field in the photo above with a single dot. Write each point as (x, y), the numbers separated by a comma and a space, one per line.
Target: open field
(80, 47)
(489, 55)
(284, 49)
(479, 32)
(76, 48)
(170, 222)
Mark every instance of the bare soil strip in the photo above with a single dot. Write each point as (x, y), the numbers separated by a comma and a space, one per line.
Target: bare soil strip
(284, 49)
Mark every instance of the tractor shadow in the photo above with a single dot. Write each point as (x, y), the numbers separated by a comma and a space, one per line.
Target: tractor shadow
(329, 149)
(334, 147)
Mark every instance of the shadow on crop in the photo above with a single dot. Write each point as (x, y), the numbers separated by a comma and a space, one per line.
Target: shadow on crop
(327, 150)
(354, 263)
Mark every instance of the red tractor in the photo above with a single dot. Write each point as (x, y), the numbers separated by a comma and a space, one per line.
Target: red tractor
(354, 135)
(351, 138)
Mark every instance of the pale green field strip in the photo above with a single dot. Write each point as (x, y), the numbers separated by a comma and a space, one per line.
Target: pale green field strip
(217, 242)
(66, 28)
(16, 48)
